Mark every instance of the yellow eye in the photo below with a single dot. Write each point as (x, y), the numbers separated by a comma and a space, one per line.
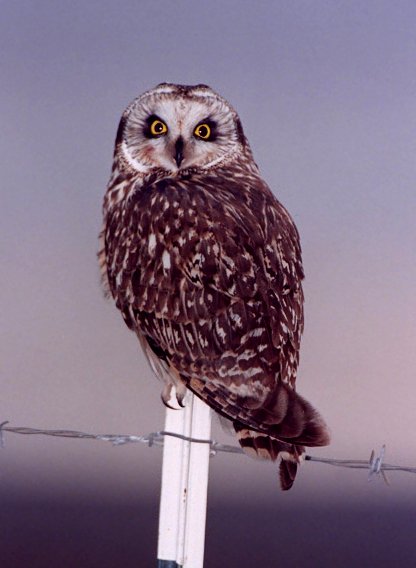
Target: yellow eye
(203, 131)
(157, 128)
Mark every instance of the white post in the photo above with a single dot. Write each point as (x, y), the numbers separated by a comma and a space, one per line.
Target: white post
(184, 487)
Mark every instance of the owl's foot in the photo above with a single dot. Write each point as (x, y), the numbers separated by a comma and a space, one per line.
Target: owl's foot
(172, 396)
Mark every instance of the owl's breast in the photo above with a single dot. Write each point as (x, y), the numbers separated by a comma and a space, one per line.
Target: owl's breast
(174, 236)
(183, 250)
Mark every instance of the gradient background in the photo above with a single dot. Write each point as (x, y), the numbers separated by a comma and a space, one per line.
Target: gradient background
(326, 91)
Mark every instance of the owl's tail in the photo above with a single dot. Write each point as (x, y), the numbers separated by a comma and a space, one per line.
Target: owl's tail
(280, 428)
(264, 447)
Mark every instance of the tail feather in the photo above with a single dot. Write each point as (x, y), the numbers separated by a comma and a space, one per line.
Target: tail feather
(287, 474)
(276, 427)
(262, 446)
(287, 416)
(284, 423)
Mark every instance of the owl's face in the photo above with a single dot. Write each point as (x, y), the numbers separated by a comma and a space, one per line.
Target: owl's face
(175, 127)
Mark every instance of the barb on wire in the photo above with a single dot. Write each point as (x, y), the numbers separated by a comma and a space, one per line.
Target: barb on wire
(2, 425)
(375, 465)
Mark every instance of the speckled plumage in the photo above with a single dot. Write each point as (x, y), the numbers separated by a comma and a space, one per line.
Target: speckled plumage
(205, 265)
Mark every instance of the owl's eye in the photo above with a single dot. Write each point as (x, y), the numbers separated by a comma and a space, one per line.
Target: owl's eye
(158, 128)
(203, 131)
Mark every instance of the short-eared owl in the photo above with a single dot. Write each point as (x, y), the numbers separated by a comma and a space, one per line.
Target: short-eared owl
(205, 266)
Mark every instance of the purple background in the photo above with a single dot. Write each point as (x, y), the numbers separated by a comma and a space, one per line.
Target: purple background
(326, 91)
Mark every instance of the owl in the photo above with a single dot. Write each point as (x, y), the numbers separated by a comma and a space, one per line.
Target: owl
(205, 266)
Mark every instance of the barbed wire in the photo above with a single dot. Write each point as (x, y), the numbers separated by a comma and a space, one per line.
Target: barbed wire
(375, 465)
(152, 439)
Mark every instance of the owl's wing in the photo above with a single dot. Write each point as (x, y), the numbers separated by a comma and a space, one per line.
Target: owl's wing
(251, 308)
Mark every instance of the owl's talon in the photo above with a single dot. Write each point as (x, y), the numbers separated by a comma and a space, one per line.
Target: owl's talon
(166, 396)
(181, 399)
(180, 394)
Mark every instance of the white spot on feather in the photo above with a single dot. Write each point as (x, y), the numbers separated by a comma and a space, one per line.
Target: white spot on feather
(152, 243)
(246, 355)
(166, 260)
(256, 332)
(190, 337)
(251, 372)
(252, 389)
(202, 340)
(232, 289)
(236, 318)
(220, 331)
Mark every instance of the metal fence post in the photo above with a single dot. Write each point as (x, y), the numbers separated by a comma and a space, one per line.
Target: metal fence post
(184, 487)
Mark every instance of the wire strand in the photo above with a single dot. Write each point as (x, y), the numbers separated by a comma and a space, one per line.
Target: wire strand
(375, 465)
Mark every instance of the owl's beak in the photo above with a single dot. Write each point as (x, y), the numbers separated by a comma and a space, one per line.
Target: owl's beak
(179, 151)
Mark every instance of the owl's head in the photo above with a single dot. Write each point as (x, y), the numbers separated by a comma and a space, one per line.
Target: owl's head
(178, 127)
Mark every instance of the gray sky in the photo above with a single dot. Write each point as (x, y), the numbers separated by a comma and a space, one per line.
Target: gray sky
(326, 93)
